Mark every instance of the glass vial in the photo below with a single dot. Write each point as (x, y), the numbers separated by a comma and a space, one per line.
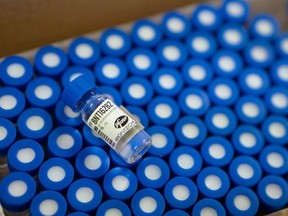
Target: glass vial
(115, 125)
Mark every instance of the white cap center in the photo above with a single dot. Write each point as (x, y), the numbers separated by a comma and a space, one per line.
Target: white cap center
(242, 202)
(167, 81)
(142, 62)
(280, 100)
(220, 120)
(136, 91)
(15, 70)
(84, 51)
(56, 173)
(163, 111)
(275, 160)
(181, 192)
(194, 101)
(35, 123)
(277, 129)
(175, 25)
(153, 172)
(148, 204)
(185, 161)
(43, 92)
(197, 72)
(245, 171)
(115, 42)
(146, 33)
(48, 207)
(223, 91)
(247, 140)
(111, 70)
(3, 133)
(213, 182)
(26, 155)
(254, 81)
(159, 140)
(84, 194)
(200, 44)
(171, 53)
(8, 102)
(274, 191)
(120, 183)
(250, 109)
(217, 151)
(92, 162)
(17, 188)
(51, 60)
(190, 131)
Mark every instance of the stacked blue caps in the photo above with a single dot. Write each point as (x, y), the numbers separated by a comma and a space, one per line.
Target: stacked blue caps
(209, 86)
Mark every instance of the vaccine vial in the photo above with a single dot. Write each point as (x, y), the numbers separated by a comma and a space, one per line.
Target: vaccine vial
(115, 125)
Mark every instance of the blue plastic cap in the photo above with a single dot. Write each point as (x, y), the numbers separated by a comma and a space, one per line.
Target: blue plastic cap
(73, 93)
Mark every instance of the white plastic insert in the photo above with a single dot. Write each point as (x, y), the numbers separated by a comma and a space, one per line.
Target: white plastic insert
(171, 53)
(284, 45)
(275, 160)
(235, 9)
(232, 36)
(8, 102)
(146, 33)
(190, 131)
(197, 72)
(84, 194)
(227, 64)
(26, 155)
(280, 100)
(185, 161)
(148, 204)
(136, 91)
(206, 17)
(175, 25)
(200, 44)
(217, 151)
(15, 70)
(65, 141)
(254, 81)
(250, 109)
(220, 120)
(56, 173)
(35, 123)
(153, 172)
(213, 182)
(208, 211)
(247, 140)
(84, 51)
(115, 42)
(274, 191)
(70, 113)
(17, 188)
(43, 92)
(167, 81)
(111, 70)
(242, 202)
(163, 110)
(48, 207)
(223, 91)
(181, 192)
(142, 61)
(113, 212)
(245, 171)
(120, 183)
(159, 140)
(259, 54)
(194, 101)
(51, 60)
(283, 71)
(92, 162)
(264, 27)
(277, 130)
(3, 133)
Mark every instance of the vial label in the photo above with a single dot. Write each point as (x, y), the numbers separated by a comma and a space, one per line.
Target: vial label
(111, 123)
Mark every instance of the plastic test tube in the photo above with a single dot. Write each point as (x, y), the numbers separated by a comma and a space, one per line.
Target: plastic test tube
(55, 174)
(167, 81)
(13, 102)
(163, 110)
(48, 203)
(190, 131)
(110, 71)
(185, 161)
(247, 140)
(92, 162)
(64, 142)
(147, 201)
(146, 33)
(127, 138)
(17, 191)
(242, 200)
(16, 71)
(163, 141)
(217, 151)
(25, 155)
(180, 192)
(208, 206)
(50, 61)
(141, 61)
(43, 92)
(175, 25)
(84, 195)
(83, 51)
(34, 123)
(136, 91)
(153, 172)
(120, 183)
(8, 134)
(113, 207)
(213, 182)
